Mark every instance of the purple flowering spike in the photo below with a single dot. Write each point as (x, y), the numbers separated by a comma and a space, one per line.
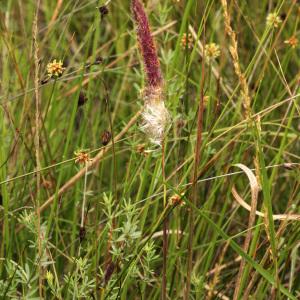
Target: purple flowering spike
(146, 44)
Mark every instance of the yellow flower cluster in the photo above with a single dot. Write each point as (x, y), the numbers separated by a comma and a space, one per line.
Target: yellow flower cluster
(212, 51)
(273, 20)
(82, 157)
(55, 69)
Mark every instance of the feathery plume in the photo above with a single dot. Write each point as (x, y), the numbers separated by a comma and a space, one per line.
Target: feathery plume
(146, 44)
(155, 115)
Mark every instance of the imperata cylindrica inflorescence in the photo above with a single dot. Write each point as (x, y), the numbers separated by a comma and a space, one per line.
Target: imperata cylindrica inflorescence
(155, 115)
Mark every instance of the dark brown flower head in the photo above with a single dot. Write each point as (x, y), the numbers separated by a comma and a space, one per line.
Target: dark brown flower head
(109, 272)
(146, 45)
(103, 10)
(44, 81)
(177, 200)
(106, 137)
(82, 99)
(82, 233)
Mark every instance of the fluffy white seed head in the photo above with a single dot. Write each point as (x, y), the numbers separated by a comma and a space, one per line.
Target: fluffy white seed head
(155, 120)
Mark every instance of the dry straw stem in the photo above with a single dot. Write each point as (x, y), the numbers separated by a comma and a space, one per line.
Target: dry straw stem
(218, 294)
(217, 272)
(37, 140)
(254, 195)
(54, 17)
(224, 266)
(233, 49)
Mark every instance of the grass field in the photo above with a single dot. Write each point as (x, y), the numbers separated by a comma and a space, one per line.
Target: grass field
(92, 208)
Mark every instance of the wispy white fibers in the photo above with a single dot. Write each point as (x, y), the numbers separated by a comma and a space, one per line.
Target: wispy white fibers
(155, 115)
(155, 120)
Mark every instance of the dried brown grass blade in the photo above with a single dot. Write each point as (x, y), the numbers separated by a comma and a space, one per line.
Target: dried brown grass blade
(254, 185)
(244, 204)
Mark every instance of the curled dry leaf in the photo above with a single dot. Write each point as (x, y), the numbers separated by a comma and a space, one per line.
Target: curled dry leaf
(254, 191)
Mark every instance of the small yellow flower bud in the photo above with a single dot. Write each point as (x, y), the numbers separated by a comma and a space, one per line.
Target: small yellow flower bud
(273, 20)
(55, 69)
(212, 51)
(82, 157)
(49, 277)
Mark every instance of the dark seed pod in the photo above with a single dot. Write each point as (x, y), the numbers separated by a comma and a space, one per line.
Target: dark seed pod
(44, 81)
(82, 99)
(103, 10)
(99, 60)
(106, 137)
(283, 16)
(82, 233)
(108, 272)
